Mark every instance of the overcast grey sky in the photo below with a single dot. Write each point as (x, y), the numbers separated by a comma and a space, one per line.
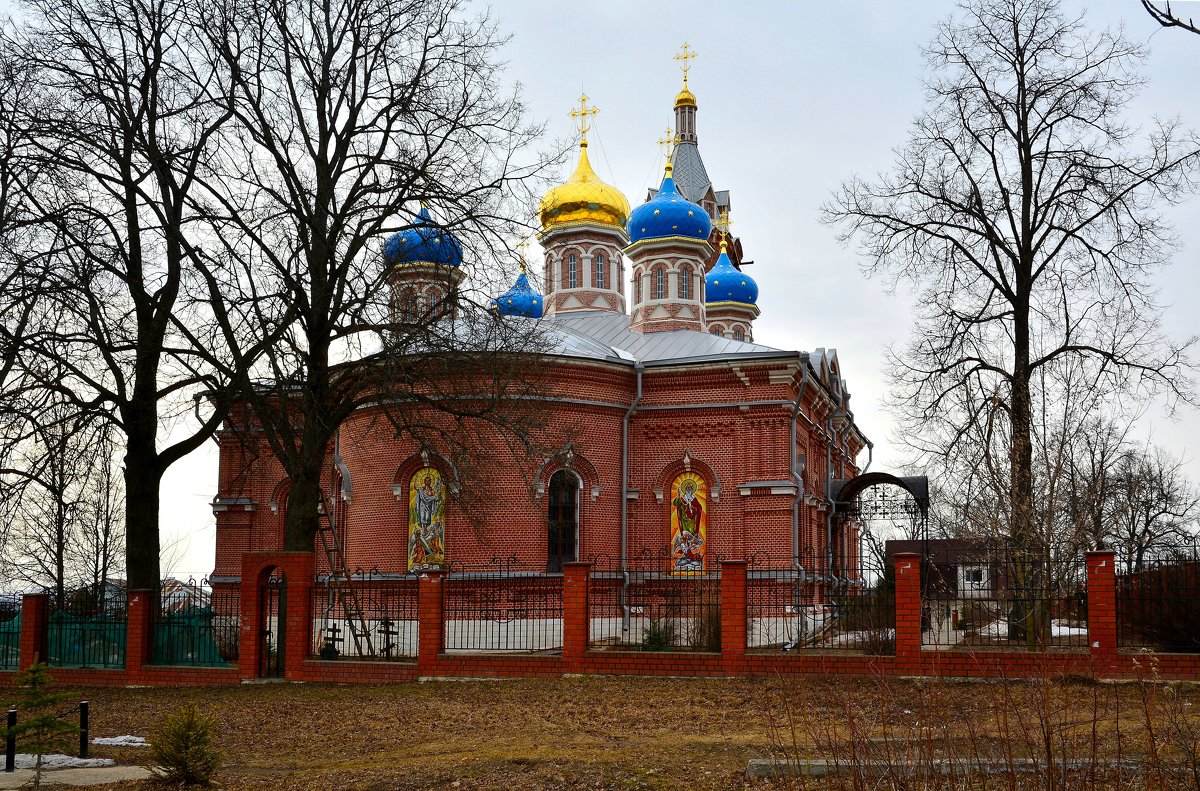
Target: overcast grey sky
(794, 97)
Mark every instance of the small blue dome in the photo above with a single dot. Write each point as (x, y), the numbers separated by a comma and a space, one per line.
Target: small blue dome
(423, 243)
(668, 214)
(520, 300)
(725, 283)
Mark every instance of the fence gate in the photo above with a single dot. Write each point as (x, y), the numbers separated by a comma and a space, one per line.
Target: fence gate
(272, 635)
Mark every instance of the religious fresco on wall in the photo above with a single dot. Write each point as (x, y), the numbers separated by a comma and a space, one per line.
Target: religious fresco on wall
(689, 522)
(426, 520)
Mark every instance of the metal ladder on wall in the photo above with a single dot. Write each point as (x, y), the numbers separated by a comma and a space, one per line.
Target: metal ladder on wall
(341, 584)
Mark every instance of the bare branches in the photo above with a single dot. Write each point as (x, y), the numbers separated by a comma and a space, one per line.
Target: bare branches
(1029, 218)
(1168, 18)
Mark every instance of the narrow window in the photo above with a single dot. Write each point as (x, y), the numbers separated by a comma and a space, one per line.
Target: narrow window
(659, 289)
(433, 301)
(572, 272)
(737, 334)
(685, 283)
(599, 267)
(716, 330)
(637, 288)
(562, 507)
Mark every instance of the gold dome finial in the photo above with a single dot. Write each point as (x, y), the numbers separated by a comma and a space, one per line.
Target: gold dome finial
(582, 118)
(667, 143)
(723, 222)
(522, 250)
(583, 198)
(685, 57)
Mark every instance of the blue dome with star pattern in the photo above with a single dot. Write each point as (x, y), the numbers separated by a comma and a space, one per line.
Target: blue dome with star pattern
(520, 300)
(725, 283)
(423, 243)
(668, 214)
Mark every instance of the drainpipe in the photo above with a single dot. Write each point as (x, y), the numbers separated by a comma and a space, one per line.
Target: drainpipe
(637, 399)
(795, 458)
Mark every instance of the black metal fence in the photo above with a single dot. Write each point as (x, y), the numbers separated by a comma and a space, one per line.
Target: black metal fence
(796, 604)
(500, 606)
(370, 616)
(1002, 597)
(10, 637)
(196, 624)
(650, 606)
(87, 629)
(1158, 599)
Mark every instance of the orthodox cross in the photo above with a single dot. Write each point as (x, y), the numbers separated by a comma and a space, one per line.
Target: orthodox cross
(582, 116)
(685, 58)
(723, 222)
(667, 142)
(524, 250)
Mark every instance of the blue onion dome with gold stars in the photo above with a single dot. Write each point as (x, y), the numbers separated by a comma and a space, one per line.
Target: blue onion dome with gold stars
(726, 283)
(520, 300)
(669, 214)
(425, 242)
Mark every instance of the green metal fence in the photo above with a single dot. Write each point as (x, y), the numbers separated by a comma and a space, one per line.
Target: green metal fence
(10, 642)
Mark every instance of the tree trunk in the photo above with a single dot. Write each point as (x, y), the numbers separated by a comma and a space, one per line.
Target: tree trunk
(143, 479)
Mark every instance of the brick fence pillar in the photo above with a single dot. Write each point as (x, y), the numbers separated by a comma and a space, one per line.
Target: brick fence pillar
(733, 615)
(1102, 609)
(575, 613)
(35, 623)
(139, 629)
(299, 568)
(431, 626)
(908, 612)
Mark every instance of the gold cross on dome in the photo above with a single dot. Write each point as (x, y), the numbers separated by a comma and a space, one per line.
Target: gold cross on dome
(723, 223)
(582, 116)
(523, 247)
(685, 58)
(667, 142)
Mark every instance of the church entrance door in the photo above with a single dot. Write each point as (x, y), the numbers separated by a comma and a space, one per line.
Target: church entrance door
(272, 634)
(563, 519)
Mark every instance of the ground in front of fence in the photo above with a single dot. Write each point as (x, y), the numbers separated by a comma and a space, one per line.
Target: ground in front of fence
(591, 732)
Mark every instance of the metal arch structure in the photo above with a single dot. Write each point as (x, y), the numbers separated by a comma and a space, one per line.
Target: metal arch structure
(844, 493)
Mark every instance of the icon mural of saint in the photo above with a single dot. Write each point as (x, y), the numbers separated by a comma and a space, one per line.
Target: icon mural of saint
(426, 520)
(688, 524)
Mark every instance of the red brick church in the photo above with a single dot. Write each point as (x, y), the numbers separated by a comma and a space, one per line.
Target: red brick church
(688, 436)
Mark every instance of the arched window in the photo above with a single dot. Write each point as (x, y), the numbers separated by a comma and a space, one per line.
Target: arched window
(572, 272)
(685, 283)
(737, 334)
(408, 306)
(562, 519)
(689, 524)
(598, 266)
(716, 330)
(659, 283)
(637, 288)
(426, 520)
(432, 300)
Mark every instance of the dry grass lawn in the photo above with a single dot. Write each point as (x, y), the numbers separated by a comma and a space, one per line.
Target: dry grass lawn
(606, 732)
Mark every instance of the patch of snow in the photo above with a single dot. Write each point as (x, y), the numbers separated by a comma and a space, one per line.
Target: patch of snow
(59, 761)
(122, 741)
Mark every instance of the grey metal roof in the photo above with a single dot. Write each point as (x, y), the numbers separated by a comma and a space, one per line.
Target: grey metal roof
(604, 335)
(691, 177)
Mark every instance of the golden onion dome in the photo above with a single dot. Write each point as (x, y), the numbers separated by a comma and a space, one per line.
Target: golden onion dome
(584, 198)
(685, 98)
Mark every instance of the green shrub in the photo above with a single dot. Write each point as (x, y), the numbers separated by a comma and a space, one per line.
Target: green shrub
(39, 731)
(182, 748)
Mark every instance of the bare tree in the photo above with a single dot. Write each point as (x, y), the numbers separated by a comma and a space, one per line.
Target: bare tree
(346, 115)
(1167, 17)
(112, 130)
(62, 491)
(1030, 222)
(1156, 505)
